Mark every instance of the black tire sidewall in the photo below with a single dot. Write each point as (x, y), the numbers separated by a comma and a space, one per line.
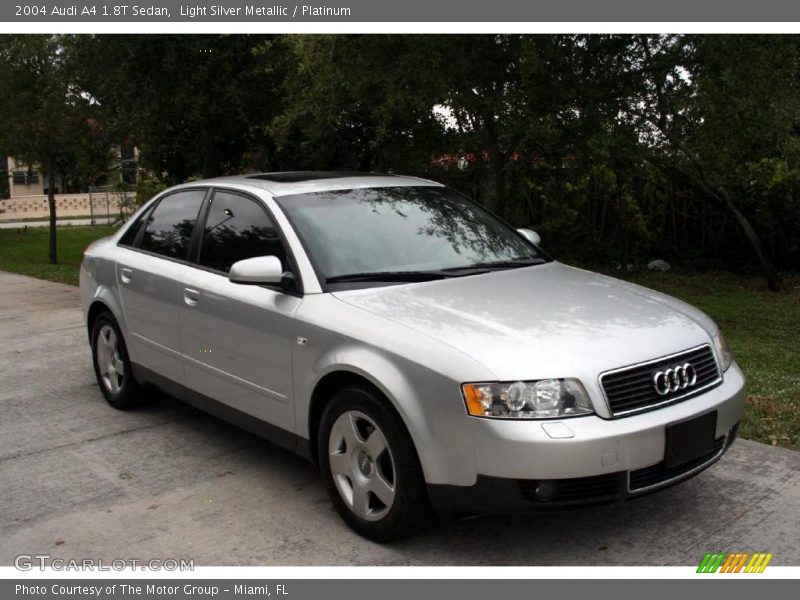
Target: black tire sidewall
(410, 510)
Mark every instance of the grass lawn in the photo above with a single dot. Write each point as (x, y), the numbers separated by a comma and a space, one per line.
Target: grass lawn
(25, 250)
(762, 328)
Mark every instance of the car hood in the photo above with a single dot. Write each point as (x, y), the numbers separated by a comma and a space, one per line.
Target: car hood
(542, 321)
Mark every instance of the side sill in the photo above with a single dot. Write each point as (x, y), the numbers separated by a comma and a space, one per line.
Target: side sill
(276, 435)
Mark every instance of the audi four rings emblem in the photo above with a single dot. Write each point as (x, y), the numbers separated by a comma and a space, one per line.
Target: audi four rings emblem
(674, 379)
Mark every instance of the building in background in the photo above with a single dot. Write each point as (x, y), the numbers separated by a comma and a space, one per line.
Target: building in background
(24, 189)
(21, 180)
(24, 180)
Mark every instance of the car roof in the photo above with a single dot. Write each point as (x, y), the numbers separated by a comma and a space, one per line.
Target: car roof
(287, 183)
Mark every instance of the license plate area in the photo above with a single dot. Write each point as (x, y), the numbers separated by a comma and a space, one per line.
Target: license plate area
(689, 439)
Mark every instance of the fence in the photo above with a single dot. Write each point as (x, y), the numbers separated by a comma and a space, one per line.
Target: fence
(100, 202)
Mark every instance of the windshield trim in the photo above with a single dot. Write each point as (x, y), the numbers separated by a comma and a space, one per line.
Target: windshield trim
(353, 285)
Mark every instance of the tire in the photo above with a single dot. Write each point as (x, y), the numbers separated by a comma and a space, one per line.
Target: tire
(109, 357)
(370, 466)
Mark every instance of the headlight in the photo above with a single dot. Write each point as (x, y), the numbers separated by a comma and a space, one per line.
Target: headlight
(542, 399)
(724, 353)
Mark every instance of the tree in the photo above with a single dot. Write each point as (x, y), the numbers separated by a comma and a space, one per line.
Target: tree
(360, 102)
(46, 119)
(618, 147)
(192, 104)
(713, 111)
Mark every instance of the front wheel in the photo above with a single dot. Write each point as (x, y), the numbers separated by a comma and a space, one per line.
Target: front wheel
(370, 466)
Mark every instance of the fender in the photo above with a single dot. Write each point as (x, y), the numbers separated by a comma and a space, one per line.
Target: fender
(441, 422)
(102, 272)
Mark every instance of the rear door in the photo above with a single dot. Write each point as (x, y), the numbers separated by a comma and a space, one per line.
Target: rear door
(150, 275)
(237, 339)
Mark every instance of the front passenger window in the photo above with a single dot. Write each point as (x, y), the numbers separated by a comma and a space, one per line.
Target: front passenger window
(237, 228)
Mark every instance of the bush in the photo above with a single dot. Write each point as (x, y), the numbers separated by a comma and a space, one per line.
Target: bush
(147, 187)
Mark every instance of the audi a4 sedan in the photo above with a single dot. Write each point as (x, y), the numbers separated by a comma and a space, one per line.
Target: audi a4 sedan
(424, 353)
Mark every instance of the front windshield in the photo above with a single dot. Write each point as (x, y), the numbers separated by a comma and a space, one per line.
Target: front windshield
(400, 229)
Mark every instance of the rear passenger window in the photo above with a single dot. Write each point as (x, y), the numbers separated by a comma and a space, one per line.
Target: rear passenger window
(129, 236)
(237, 228)
(169, 226)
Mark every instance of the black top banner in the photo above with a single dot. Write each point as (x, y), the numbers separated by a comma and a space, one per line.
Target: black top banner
(54, 11)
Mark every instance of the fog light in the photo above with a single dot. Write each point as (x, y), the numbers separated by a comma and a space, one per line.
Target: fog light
(547, 490)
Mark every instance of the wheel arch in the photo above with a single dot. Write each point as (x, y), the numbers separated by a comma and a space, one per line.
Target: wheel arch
(103, 300)
(427, 401)
(326, 388)
(95, 309)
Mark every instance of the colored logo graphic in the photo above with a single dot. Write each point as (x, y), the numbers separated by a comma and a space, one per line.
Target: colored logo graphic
(737, 562)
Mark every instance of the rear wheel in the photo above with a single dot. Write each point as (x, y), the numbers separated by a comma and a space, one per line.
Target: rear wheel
(112, 366)
(370, 466)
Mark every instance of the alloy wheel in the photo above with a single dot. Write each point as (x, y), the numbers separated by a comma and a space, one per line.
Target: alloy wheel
(362, 465)
(109, 362)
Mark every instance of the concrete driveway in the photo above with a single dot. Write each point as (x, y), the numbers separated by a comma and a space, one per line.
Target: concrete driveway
(80, 479)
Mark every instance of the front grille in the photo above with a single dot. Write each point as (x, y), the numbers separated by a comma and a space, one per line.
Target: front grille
(579, 489)
(657, 474)
(630, 389)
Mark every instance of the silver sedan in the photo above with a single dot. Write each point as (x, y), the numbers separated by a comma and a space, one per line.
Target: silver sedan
(418, 348)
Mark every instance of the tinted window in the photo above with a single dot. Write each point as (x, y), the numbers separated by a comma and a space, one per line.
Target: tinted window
(169, 227)
(237, 228)
(129, 236)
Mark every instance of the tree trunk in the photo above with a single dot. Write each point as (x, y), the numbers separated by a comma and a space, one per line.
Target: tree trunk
(720, 195)
(51, 201)
(365, 165)
(496, 189)
(768, 270)
(210, 162)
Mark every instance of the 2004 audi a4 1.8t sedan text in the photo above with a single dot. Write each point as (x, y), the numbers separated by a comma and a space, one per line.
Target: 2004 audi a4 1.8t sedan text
(423, 352)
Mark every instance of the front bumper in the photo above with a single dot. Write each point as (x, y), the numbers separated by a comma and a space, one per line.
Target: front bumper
(585, 460)
(501, 495)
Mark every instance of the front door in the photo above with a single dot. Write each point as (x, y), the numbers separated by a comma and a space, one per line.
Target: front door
(237, 339)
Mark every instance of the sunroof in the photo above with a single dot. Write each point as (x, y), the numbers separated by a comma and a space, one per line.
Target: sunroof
(298, 176)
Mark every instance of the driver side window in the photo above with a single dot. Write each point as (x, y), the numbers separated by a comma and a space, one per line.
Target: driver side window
(237, 228)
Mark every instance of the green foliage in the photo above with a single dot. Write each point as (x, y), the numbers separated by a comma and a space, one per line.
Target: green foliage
(147, 187)
(191, 104)
(718, 116)
(356, 102)
(47, 120)
(618, 148)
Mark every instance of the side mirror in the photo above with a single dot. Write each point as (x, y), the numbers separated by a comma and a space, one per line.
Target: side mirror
(530, 235)
(257, 270)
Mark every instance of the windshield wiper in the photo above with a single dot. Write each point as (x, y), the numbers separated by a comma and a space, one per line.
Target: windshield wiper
(500, 264)
(432, 275)
(388, 276)
(407, 275)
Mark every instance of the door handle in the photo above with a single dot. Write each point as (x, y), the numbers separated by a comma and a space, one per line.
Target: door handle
(126, 275)
(190, 296)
